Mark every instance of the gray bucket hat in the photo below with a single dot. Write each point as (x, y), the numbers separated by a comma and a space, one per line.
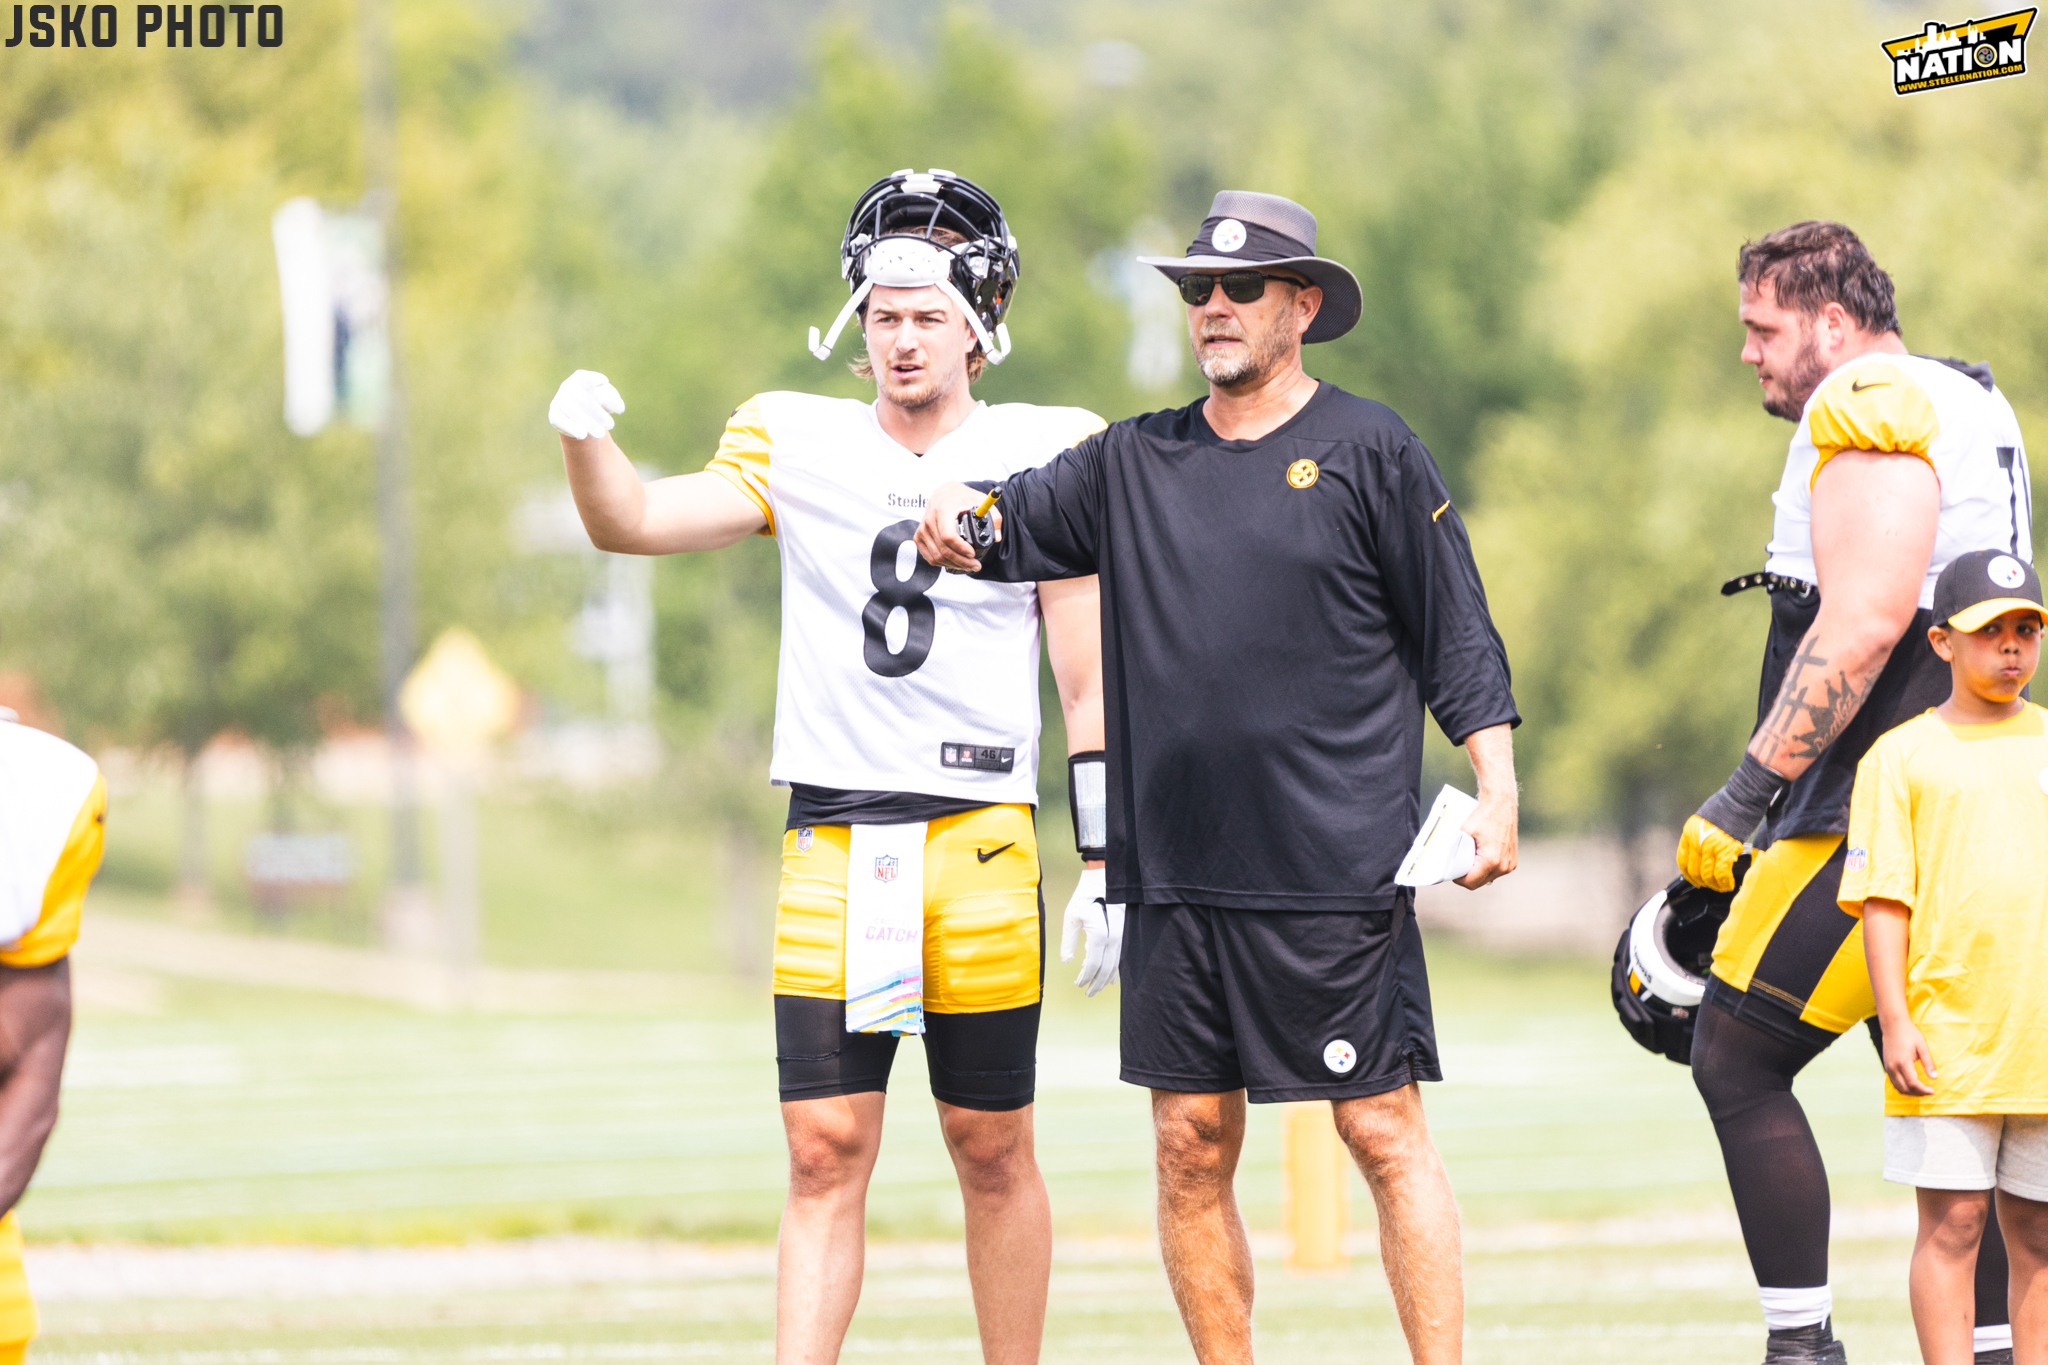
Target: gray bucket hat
(1245, 230)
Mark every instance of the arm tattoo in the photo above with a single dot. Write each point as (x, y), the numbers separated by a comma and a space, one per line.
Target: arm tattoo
(1813, 708)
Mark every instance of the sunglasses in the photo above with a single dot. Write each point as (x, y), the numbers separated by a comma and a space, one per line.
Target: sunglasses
(1239, 286)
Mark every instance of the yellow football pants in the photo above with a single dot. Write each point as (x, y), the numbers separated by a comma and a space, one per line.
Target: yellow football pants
(17, 1308)
(981, 946)
(1789, 946)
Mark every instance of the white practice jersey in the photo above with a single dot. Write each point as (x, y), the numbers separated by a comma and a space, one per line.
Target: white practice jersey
(1916, 407)
(52, 811)
(894, 676)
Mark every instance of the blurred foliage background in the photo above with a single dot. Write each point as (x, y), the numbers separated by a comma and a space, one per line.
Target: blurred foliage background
(1543, 200)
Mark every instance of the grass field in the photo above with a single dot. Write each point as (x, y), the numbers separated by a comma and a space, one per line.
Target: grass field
(377, 1151)
(246, 1174)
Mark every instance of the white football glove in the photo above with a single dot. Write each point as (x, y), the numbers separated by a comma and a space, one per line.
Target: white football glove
(1089, 909)
(583, 405)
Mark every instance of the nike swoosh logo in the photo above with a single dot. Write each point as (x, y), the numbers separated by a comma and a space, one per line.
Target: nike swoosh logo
(994, 851)
(1855, 387)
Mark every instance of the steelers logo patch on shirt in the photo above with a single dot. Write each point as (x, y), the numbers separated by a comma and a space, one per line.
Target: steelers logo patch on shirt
(1302, 473)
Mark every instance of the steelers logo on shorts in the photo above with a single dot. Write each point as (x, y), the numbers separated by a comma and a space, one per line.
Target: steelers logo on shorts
(1302, 473)
(1340, 1056)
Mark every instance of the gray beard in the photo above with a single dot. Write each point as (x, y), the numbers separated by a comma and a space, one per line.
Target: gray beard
(1263, 354)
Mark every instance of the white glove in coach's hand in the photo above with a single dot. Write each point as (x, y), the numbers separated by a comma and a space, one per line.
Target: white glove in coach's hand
(583, 406)
(1088, 910)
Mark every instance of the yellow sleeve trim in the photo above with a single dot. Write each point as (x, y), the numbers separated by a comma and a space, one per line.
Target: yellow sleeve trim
(1878, 408)
(742, 457)
(56, 929)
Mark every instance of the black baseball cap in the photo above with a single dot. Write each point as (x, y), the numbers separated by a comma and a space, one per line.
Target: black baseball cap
(1984, 584)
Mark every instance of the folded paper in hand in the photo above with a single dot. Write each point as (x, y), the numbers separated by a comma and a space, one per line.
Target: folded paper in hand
(1442, 851)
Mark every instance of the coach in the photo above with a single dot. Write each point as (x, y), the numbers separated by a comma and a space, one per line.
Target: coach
(1285, 586)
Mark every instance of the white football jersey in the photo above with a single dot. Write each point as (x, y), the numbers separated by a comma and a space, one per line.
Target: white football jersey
(894, 676)
(52, 808)
(1912, 406)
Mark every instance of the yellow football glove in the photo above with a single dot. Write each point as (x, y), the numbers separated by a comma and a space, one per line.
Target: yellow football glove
(1706, 850)
(1707, 854)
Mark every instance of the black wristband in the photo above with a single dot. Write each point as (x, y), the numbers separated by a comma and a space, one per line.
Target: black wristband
(1088, 802)
(1747, 797)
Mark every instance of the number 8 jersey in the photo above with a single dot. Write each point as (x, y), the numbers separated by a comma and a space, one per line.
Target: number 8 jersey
(894, 676)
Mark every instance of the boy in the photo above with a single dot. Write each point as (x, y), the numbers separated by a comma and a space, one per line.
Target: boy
(1948, 868)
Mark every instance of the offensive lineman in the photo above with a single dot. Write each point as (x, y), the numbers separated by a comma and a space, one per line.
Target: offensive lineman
(53, 808)
(1898, 464)
(906, 727)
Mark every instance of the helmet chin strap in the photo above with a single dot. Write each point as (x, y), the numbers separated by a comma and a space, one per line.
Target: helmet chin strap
(823, 350)
(909, 263)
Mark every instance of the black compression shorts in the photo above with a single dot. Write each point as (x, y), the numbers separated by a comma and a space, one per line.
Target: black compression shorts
(976, 1061)
(1285, 1005)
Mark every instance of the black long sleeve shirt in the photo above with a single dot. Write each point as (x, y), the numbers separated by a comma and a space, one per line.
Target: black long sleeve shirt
(1275, 615)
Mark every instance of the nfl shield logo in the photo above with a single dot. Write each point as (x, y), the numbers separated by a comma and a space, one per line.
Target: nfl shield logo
(803, 840)
(885, 868)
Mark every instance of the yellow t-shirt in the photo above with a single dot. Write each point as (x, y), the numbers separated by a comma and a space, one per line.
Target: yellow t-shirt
(1951, 821)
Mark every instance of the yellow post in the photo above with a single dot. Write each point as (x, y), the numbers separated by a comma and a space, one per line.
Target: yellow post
(1316, 1187)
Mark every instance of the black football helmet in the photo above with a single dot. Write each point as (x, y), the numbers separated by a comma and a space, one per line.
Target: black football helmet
(887, 242)
(1662, 961)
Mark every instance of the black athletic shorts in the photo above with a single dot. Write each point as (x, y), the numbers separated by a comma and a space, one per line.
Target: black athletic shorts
(976, 1061)
(1282, 1004)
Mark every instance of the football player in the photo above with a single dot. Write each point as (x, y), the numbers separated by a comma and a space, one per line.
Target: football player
(1898, 464)
(906, 727)
(53, 807)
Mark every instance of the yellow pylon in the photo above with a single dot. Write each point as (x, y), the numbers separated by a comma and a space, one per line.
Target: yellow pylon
(1315, 1175)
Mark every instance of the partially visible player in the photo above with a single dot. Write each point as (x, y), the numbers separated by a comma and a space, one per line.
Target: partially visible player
(53, 807)
(1898, 464)
(906, 727)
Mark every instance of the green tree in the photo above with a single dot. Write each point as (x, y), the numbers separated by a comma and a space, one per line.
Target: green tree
(1614, 504)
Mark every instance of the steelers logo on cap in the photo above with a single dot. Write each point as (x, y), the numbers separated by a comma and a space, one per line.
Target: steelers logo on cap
(1228, 236)
(1302, 473)
(2005, 571)
(1340, 1056)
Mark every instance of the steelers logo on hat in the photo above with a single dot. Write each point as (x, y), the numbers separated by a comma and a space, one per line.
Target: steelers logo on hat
(2005, 571)
(1228, 236)
(1982, 585)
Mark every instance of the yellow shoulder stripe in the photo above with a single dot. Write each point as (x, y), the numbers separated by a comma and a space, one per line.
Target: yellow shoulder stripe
(56, 929)
(1875, 407)
(743, 456)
